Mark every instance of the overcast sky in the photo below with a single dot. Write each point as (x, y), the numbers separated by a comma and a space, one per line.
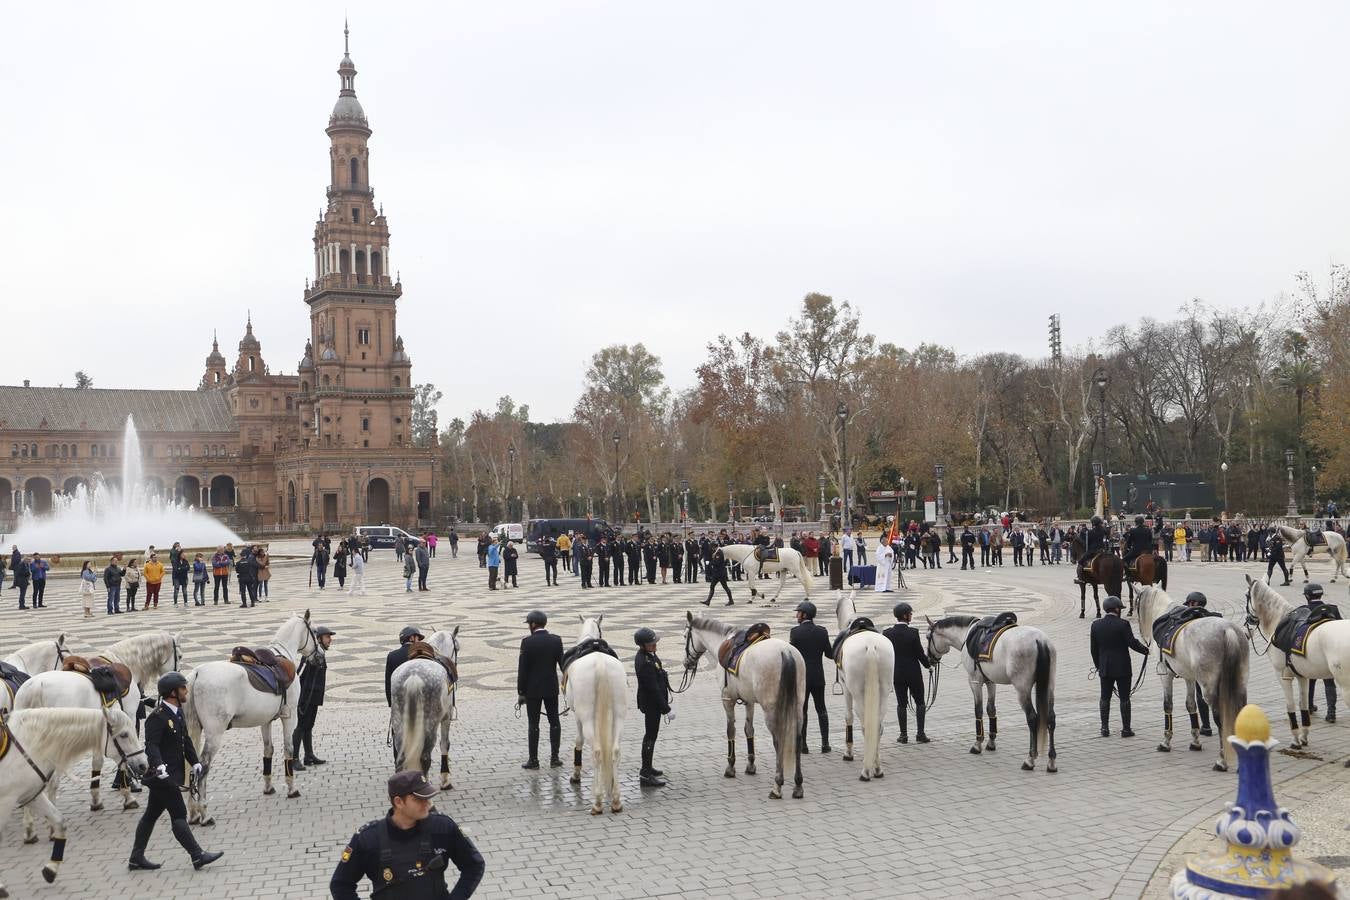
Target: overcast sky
(560, 176)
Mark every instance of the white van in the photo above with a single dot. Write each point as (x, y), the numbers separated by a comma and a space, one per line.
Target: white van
(509, 531)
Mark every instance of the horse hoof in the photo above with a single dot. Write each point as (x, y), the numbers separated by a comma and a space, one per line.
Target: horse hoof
(798, 793)
(597, 810)
(1221, 767)
(1082, 615)
(864, 777)
(847, 757)
(4, 894)
(95, 807)
(750, 770)
(1028, 767)
(775, 795)
(575, 779)
(1052, 769)
(1163, 748)
(131, 804)
(1347, 763)
(48, 874)
(30, 839)
(975, 750)
(990, 747)
(1195, 745)
(878, 774)
(292, 794)
(729, 773)
(209, 822)
(267, 792)
(195, 819)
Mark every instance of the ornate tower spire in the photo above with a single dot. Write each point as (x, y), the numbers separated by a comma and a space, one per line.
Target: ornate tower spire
(216, 372)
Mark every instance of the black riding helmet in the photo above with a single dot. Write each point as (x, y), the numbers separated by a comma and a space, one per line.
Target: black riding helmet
(644, 636)
(170, 683)
(1196, 598)
(1312, 591)
(408, 633)
(536, 617)
(1111, 604)
(903, 609)
(807, 608)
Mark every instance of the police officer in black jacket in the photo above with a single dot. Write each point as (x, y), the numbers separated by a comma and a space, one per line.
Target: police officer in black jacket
(813, 642)
(313, 682)
(1138, 541)
(653, 700)
(406, 854)
(1112, 639)
(169, 750)
(909, 657)
(1312, 594)
(541, 657)
(396, 658)
(1197, 600)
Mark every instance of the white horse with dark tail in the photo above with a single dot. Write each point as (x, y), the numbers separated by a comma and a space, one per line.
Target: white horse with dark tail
(38, 745)
(1301, 549)
(595, 694)
(771, 673)
(28, 660)
(789, 562)
(1208, 653)
(867, 663)
(1023, 657)
(1326, 655)
(221, 697)
(422, 705)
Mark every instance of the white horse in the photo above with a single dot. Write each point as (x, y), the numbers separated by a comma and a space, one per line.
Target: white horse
(37, 745)
(868, 667)
(39, 656)
(595, 694)
(49, 690)
(1023, 657)
(789, 562)
(1299, 541)
(148, 656)
(1327, 656)
(771, 673)
(423, 704)
(220, 697)
(1211, 654)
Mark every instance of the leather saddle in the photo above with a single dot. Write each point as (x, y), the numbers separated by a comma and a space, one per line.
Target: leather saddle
(586, 648)
(111, 680)
(766, 554)
(267, 672)
(423, 650)
(986, 632)
(862, 623)
(733, 648)
(11, 678)
(1314, 538)
(1167, 626)
(1291, 635)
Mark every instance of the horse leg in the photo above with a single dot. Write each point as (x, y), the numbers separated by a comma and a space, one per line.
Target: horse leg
(730, 706)
(1304, 713)
(1167, 680)
(776, 792)
(576, 755)
(1051, 757)
(95, 779)
(978, 746)
(1097, 600)
(1192, 710)
(1287, 684)
(599, 777)
(289, 761)
(206, 754)
(1029, 710)
(445, 754)
(782, 581)
(750, 739)
(268, 789)
(1082, 599)
(848, 726)
(993, 719)
(44, 807)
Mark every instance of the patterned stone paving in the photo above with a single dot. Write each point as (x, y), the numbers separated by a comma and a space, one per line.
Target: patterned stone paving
(941, 822)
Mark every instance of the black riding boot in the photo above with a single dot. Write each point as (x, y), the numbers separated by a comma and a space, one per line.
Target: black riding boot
(137, 859)
(183, 833)
(824, 733)
(903, 713)
(919, 713)
(296, 764)
(1105, 707)
(648, 776)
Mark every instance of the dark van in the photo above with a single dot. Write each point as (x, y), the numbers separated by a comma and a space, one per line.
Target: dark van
(542, 528)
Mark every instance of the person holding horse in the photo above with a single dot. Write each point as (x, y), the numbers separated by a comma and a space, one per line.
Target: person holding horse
(653, 701)
(1112, 639)
(409, 635)
(541, 656)
(1196, 599)
(813, 643)
(313, 682)
(1312, 594)
(406, 853)
(168, 747)
(908, 678)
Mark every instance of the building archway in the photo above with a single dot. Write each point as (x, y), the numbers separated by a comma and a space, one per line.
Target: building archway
(222, 491)
(188, 489)
(377, 501)
(73, 483)
(37, 495)
(154, 486)
(290, 502)
(6, 496)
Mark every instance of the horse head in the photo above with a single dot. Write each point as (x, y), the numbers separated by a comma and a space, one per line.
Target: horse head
(446, 643)
(693, 649)
(846, 608)
(946, 633)
(1264, 606)
(590, 628)
(121, 743)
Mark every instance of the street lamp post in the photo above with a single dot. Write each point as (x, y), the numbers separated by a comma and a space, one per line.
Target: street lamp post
(940, 470)
(842, 412)
(511, 485)
(901, 504)
(1101, 379)
(731, 502)
(1314, 487)
(1223, 467)
(684, 517)
(820, 480)
(618, 504)
(1289, 467)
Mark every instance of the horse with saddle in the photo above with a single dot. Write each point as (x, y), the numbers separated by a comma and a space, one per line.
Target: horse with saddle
(267, 672)
(111, 680)
(733, 648)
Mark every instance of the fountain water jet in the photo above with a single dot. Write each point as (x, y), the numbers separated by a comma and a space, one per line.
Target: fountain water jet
(99, 516)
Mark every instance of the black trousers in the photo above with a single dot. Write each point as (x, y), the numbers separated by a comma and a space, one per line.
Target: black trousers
(1122, 685)
(712, 587)
(967, 557)
(550, 708)
(1270, 567)
(422, 577)
(304, 731)
(634, 576)
(905, 691)
(1201, 707)
(816, 693)
(604, 573)
(652, 720)
(550, 571)
(222, 583)
(586, 566)
(651, 572)
(984, 555)
(40, 588)
(163, 798)
(675, 567)
(691, 569)
(1330, 689)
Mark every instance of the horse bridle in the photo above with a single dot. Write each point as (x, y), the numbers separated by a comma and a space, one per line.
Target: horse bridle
(690, 670)
(60, 653)
(1252, 621)
(123, 757)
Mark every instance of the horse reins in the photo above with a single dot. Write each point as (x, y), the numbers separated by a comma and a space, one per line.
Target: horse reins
(14, 739)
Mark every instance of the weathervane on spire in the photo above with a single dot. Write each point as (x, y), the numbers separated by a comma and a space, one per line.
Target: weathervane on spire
(345, 46)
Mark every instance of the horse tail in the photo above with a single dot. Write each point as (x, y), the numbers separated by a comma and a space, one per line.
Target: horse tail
(1232, 693)
(804, 574)
(606, 753)
(413, 724)
(787, 711)
(1042, 682)
(872, 711)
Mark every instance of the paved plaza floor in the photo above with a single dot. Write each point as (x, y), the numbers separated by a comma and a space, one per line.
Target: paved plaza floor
(942, 823)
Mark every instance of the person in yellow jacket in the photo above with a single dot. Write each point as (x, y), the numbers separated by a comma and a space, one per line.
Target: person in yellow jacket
(565, 550)
(1179, 539)
(153, 575)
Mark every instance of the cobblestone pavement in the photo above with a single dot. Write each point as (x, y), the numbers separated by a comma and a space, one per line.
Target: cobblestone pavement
(943, 822)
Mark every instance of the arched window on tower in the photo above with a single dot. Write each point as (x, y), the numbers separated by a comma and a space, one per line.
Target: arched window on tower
(344, 262)
(251, 363)
(398, 382)
(375, 263)
(360, 265)
(355, 168)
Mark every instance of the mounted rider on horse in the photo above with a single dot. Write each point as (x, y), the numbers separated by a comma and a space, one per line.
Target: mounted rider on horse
(1094, 544)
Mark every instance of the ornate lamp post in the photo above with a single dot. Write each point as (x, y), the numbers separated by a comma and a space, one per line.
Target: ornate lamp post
(1101, 379)
(841, 411)
(1223, 467)
(939, 471)
(900, 505)
(684, 491)
(820, 480)
(1314, 486)
(731, 503)
(618, 493)
(1289, 468)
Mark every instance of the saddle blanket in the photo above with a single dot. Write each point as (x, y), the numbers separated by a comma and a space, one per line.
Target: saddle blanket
(4, 739)
(862, 623)
(766, 554)
(1291, 635)
(266, 672)
(733, 648)
(111, 680)
(986, 632)
(12, 678)
(1167, 626)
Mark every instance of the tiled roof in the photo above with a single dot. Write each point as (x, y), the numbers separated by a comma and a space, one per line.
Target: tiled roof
(97, 409)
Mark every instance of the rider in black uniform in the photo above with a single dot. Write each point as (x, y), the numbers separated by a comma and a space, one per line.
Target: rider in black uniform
(1094, 542)
(908, 678)
(1197, 599)
(1138, 541)
(813, 642)
(653, 701)
(1312, 593)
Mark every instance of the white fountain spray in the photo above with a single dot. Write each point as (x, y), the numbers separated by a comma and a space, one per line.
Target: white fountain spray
(99, 516)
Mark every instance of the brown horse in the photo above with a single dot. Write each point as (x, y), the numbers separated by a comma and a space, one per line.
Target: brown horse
(1149, 568)
(1106, 570)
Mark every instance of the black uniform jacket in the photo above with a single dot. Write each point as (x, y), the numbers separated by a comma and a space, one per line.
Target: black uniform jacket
(909, 652)
(540, 661)
(653, 693)
(1112, 641)
(1139, 541)
(361, 857)
(167, 743)
(395, 659)
(813, 642)
(314, 680)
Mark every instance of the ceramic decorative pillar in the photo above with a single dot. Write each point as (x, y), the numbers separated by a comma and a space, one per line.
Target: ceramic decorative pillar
(1260, 835)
